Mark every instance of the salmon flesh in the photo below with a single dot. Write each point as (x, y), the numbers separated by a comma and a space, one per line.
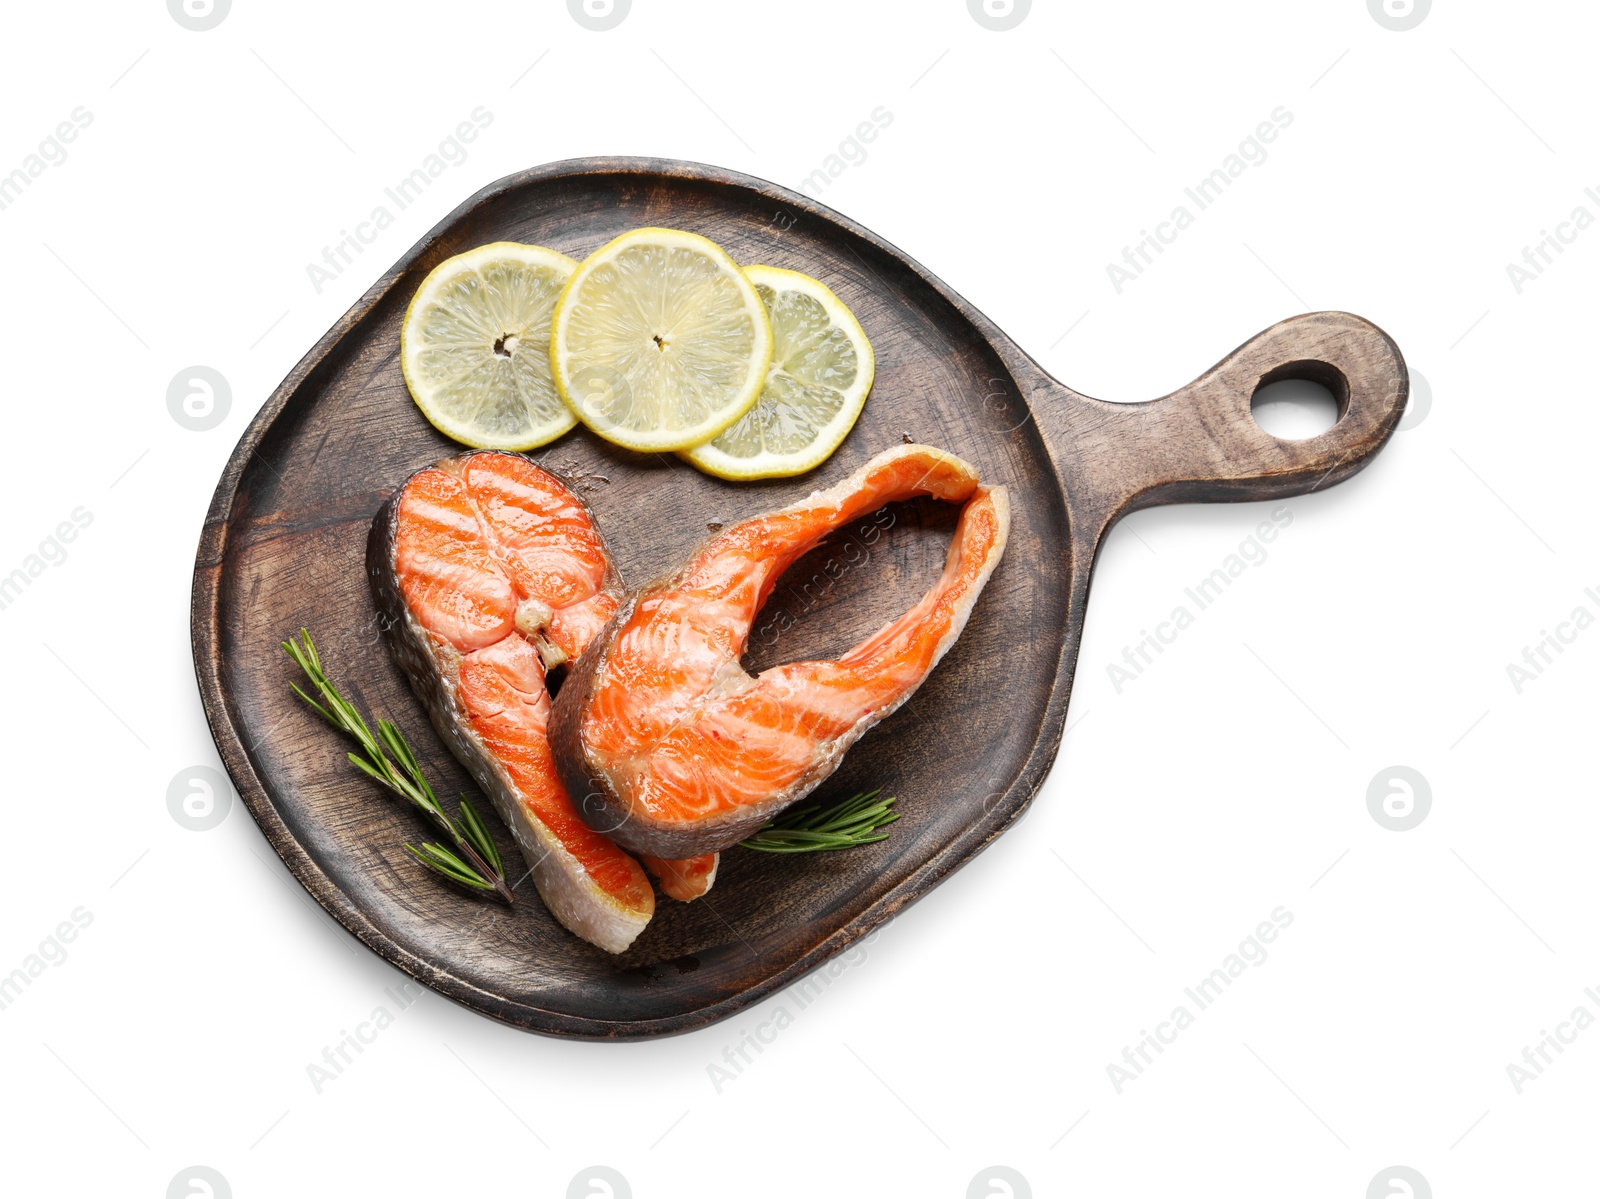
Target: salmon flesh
(675, 749)
(489, 573)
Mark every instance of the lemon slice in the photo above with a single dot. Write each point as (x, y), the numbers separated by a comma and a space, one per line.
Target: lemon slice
(475, 346)
(821, 371)
(659, 342)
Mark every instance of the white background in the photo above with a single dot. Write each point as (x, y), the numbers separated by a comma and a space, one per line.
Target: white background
(1228, 779)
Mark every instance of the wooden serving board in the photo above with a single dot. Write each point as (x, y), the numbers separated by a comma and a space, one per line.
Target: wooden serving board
(284, 544)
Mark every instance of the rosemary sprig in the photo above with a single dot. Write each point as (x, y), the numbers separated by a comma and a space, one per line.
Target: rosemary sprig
(843, 825)
(478, 864)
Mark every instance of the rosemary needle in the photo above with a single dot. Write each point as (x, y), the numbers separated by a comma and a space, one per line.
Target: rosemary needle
(478, 863)
(843, 825)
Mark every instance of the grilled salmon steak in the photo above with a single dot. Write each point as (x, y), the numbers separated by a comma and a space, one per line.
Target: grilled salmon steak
(489, 572)
(675, 749)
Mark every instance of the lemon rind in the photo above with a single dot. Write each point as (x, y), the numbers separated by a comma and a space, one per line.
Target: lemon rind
(706, 430)
(427, 289)
(768, 465)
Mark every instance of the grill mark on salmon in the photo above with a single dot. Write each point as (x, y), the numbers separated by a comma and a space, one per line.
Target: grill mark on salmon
(676, 749)
(489, 572)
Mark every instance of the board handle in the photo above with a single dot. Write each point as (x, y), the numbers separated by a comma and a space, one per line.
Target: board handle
(1201, 442)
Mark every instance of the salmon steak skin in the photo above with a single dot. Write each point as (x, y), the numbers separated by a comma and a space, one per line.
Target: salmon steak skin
(488, 572)
(675, 749)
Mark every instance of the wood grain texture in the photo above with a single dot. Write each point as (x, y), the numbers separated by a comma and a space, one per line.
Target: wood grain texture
(284, 544)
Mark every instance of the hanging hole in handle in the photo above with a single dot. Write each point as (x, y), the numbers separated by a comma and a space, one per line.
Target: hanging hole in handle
(1300, 400)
